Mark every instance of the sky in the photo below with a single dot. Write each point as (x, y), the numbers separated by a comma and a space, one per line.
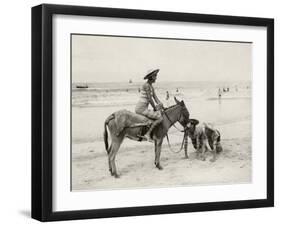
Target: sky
(119, 59)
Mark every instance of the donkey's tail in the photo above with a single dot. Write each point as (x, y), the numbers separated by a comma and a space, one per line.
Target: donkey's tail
(105, 133)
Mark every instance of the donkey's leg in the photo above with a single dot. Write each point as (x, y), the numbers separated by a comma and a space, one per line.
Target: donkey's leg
(109, 163)
(116, 142)
(155, 150)
(158, 146)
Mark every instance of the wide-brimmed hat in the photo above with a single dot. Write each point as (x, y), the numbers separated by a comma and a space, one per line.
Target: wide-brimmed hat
(151, 73)
(193, 121)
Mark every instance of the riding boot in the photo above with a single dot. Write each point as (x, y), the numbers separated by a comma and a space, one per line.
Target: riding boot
(154, 124)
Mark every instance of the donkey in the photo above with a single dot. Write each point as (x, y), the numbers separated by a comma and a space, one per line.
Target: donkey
(133, 130)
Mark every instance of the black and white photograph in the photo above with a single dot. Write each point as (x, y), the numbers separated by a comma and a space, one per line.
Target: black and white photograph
(159, 112)
(135, 113)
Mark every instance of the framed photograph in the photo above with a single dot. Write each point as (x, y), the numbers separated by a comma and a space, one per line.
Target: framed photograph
(146, 112)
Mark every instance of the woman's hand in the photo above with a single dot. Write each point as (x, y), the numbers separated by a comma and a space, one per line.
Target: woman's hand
(159, 107)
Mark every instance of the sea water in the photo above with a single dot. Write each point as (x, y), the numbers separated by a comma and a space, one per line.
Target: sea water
(92, 105)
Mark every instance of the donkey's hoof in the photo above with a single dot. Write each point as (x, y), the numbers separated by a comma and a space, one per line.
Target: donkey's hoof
(116, 175)
(159, 167)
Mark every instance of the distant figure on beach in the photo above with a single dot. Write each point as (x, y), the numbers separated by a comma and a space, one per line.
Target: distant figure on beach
(177, 90)
(225, 89)
(219, 93)
(167, 95)
(167, 102)
(148, 97)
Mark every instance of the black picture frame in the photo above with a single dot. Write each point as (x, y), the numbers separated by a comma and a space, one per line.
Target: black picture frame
(42, 108)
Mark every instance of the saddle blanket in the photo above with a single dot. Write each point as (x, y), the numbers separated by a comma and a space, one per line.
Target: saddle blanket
(124, 119)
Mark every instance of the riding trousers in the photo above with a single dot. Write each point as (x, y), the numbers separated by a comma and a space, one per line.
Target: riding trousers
(142, 108)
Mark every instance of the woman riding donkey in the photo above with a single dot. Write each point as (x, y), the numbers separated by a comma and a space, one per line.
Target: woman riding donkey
(148, 97)
(125, 124)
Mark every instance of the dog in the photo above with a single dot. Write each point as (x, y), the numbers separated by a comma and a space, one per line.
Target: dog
(204, 138)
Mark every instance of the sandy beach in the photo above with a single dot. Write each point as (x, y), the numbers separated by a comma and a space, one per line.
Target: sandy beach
(231, 115)
(135, 164)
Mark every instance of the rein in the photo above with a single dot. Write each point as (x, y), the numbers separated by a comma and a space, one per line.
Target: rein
(168, 140)
(182, 143)
(173, 124)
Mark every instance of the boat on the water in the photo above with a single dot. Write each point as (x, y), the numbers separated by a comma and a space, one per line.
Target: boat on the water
(82, 86)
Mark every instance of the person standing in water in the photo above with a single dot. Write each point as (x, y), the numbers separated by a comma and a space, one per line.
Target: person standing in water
(219, 93)
(148, 97)
(167, 95)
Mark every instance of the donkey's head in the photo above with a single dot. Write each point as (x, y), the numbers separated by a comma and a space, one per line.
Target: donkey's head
(184, 113)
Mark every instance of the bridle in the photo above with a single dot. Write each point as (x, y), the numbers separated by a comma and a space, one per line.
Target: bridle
(182, 131)
(165, 113)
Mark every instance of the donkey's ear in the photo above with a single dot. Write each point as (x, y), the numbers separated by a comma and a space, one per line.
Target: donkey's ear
(176, 100)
